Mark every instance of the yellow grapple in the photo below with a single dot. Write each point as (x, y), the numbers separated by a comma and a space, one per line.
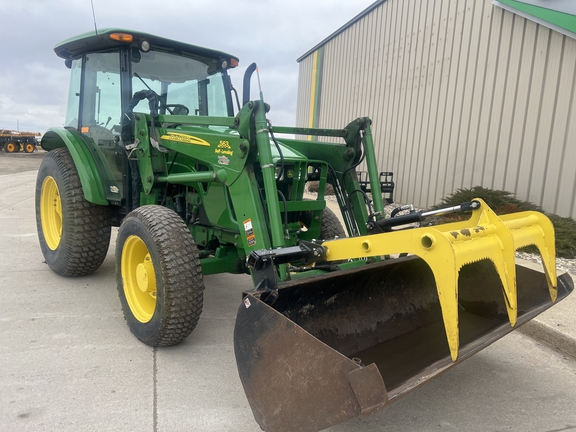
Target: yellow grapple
(447, 248)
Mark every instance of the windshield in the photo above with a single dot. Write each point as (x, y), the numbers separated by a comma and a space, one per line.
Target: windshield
(185, 85)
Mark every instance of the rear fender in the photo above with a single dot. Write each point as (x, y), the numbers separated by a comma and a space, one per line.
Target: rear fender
(90, 177)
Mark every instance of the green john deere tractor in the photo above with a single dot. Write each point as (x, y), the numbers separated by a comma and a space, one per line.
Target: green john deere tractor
(158, 144)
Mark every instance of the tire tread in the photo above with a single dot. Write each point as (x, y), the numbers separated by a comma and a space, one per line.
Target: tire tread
(181, 275)
(87, 225)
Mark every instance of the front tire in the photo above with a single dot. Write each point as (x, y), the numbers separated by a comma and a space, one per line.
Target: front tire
(74, 234)
(158, 275)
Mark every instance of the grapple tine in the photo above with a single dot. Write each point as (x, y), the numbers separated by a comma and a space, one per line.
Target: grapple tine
(447, 288)
(491, 239)
(447, 248)
(534, 228)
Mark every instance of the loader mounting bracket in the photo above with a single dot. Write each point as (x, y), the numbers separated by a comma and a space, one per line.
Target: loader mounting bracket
(263, 262)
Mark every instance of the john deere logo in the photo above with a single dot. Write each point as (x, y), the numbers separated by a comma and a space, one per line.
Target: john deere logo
(183, 138)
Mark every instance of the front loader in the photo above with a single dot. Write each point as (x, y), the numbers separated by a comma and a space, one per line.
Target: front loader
(341, 320)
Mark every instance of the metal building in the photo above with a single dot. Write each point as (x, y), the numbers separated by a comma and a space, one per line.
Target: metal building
(462, 93)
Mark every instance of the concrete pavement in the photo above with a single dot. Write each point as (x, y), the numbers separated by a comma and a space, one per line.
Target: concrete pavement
(69, 362)
(557, 326)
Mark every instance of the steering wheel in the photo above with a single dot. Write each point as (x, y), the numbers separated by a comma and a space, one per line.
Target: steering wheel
(177, 109)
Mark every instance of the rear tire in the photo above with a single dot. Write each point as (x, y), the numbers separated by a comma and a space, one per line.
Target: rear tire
(330, 226)
(74, 234)
(29, 147)
(158, 275)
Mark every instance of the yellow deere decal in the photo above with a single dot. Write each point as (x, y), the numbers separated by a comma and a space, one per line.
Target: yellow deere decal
(224, 148)
(189, 139)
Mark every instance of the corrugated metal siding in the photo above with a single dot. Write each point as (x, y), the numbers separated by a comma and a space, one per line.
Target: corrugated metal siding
(461, 93)
(304, 92)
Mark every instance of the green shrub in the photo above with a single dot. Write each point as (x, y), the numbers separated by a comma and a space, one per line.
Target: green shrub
(503, 202)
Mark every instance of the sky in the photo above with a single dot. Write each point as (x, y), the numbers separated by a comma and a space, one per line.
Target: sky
(272, 33)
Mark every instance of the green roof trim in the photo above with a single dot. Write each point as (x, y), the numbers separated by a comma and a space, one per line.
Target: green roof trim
(542, 15)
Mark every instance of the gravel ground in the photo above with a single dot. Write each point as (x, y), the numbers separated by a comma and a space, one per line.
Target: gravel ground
(12, 163)
(562, 264)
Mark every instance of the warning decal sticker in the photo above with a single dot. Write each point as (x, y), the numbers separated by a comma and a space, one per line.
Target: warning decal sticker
(250, 238)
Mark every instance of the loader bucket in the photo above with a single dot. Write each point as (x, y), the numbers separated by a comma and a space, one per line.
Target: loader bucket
(346, 344)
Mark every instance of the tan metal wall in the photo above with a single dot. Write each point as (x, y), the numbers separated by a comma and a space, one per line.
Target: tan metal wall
(304, 92)
(461, 93)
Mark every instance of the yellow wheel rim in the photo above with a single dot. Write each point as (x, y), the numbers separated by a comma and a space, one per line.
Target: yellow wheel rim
(51, 213)
(138, 278)
(11, 147)
(29, 148)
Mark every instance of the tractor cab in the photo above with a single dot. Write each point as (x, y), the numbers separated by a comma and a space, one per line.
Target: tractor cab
(109, 67)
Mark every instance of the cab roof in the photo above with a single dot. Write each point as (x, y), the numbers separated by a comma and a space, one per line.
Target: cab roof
(100, 40)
